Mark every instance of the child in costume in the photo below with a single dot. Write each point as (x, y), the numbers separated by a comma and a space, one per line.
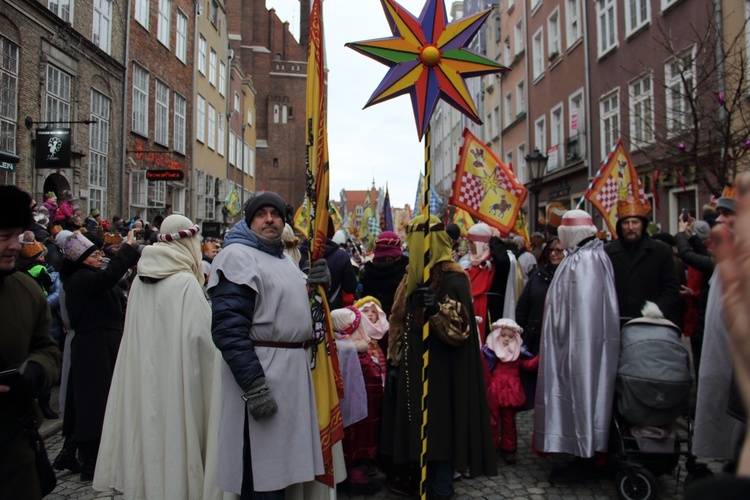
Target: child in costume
(376, 328)
(504, 391)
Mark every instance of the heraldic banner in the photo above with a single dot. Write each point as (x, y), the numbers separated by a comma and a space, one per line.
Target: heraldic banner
(485, 187)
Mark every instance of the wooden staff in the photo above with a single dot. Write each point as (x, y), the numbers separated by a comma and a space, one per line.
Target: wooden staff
(426, 327)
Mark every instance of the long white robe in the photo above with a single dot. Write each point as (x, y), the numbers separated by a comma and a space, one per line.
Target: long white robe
(159, 415)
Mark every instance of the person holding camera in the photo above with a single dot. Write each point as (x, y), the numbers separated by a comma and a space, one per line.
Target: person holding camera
(29, 357)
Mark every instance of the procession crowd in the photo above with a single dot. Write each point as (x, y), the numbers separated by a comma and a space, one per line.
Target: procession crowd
(186, 365)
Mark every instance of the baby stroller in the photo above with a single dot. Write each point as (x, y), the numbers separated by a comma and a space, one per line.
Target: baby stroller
(652, 389)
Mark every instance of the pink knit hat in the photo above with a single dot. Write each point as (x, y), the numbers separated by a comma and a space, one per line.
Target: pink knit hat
(388, 244)
(77, 247)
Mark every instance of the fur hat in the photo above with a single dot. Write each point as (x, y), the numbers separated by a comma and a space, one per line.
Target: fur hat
(15, 208)
(264, 199)
(388, 245)
(77, 247)
(33, 250)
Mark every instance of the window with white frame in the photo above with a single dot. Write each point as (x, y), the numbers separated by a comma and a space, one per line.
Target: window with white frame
(637, 15)
(222, 78)
(238, 151)
(575, 112)
(157, 194)
(9, 53)
(62, 9)
(606, 25)
(200, 132)
(557, 135)
(246, 158)
(609, 111)
(537, 44)
(221, 133)
(211, 127)
(521, 169)
(180, 123)
(540, 134)
(212, 67)
(494, 122)
(98, 152)
(213, 13)
(178, 201)
(200, 195)
(507, 58)
(509, 159)
(102, 24)
(138, 189)
(518, 37)
(520, 98)
(553, 34)
(236, 102)
(250, 117)
(641, 110)
(231, 147)
(276, 112)
(573, 31)
(165, 16)
(511, 4)
(251, 159)
(488, 128)
(209, 193)
(141, 12)
(535, 4)
(202, 55)
(508, 115)
(679, 80)
(665, 4)
(181, 36)
(161, 114)
(284, 115)
(140, 100)
(58, 95)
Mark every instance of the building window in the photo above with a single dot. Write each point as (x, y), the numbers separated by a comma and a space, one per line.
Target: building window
(540, 134)
(98, 152)
(140, 100)
(211, 127)
(518, 37)
(575, 112)
(157, 194)
(495, 125)
(222, 78)
(251, 168)
(511, 4)
(573, 29)
(214, 13)
(58, 95)
(202, 55)
(276, 112)
(165, 16)
(509, 159)
(8, 98)
(521, 168)
(246, 158)
(665, 4)
(206, 205)
(200, 133)
(679, 79)
(508, 115)
(62, 9)
(553, 34)
(535, 4)
(284, 114)
(556, 136)
(609, 110)
(637, 15)
(178, 201)
(141, 12)
(161, 114)
(212, 68)
(507, 58)
(520, 98)
(231, 147)
(180, 123)
(221, 133)
(236, 102)
(641, 111)
(138, 189)
(538, 54)
(606, 25)
(238, 151)
(102, 24)
(181, 37)
(250, 117)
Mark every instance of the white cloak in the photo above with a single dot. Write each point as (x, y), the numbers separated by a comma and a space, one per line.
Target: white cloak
(159, 413)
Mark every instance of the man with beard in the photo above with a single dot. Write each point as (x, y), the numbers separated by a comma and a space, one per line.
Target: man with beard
(644, 268)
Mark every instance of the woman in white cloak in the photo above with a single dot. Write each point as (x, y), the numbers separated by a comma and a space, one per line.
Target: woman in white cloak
(158, 418)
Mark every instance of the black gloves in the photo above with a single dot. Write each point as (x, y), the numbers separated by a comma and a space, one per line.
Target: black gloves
(259, 399)
(319, 274)
(426, 298)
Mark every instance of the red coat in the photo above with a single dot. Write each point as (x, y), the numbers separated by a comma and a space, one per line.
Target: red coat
(505, 388)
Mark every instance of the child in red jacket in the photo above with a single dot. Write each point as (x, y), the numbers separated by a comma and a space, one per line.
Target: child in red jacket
(504, 391)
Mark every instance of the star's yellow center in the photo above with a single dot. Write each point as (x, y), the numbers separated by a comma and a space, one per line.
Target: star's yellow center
(430, 55)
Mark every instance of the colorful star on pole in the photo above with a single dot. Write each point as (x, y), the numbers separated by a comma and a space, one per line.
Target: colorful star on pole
(428, 59)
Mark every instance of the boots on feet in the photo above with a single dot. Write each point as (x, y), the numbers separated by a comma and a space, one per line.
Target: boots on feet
(66, 459)
(358, 484)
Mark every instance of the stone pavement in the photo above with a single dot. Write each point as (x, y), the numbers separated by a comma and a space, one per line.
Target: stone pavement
(528, 479)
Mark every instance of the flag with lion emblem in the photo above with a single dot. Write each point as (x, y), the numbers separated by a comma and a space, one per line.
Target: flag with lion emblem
(485, 187)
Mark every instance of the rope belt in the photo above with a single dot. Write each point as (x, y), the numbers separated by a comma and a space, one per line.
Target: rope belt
(285, 345)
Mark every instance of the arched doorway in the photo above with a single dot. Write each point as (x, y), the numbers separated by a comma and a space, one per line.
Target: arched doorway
(56, 183)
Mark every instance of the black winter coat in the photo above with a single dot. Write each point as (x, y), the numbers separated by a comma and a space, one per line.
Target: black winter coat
(530, 307)
(381, 279)
(342, 272)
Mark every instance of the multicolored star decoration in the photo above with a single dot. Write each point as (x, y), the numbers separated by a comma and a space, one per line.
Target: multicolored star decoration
(491, 181)
(428, 59)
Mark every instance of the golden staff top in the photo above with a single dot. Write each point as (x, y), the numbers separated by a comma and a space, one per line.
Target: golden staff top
(428, 59)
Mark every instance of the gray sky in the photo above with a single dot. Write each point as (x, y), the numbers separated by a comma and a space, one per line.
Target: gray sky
(380, 141)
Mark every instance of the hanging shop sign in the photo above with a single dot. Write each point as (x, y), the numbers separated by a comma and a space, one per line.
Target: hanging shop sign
(165, 175)
(53, 148)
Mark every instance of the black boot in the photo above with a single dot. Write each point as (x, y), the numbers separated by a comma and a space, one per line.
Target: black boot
(89, 450)
(43, 401)
(66, 459)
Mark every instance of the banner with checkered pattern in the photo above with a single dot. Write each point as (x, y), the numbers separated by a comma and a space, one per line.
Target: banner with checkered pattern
(616, 180)
(485, 187)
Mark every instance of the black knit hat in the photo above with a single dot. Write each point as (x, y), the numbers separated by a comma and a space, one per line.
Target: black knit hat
(15, 208)
(264, 199)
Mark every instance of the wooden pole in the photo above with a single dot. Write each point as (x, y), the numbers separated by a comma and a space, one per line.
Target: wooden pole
(426, 327)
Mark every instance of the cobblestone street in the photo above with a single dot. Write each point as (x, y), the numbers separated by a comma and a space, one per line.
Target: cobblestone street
(528, 479)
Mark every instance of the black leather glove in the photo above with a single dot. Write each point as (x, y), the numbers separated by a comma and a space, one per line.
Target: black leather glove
(391, 378)
(319, 274)
(259, 399)
(426, 298)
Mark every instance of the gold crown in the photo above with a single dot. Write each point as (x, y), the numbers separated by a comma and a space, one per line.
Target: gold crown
(729, 192)
(112, 239)
(632, 208)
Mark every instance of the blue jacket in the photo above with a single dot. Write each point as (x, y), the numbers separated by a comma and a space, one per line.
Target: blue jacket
(233, 307)
(342, 272)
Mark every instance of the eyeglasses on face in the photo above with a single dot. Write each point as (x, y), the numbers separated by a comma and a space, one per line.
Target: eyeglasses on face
(97, 255)
(556, 250)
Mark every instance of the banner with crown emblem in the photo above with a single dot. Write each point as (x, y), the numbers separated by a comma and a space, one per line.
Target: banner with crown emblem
(485, 187)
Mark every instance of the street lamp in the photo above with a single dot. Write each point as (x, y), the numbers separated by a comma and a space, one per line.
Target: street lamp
(537, 163)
